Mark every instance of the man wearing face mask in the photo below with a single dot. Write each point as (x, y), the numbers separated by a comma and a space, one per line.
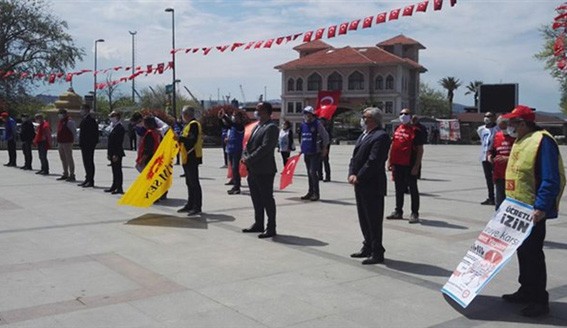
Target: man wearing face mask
(486, 133)
(404, 160)
(498, 156)
(314, 142)
(234, 137)
(66, 131)
(535, 176)
(88, 138)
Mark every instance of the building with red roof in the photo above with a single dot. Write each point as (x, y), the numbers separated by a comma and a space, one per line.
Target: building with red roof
(386, 75)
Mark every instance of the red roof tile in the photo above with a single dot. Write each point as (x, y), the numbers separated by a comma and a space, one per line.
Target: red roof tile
(400, 39)
(313, 45)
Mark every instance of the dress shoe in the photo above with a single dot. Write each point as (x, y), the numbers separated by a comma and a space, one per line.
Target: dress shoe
(117, 191)
(184, 209)
(361, 254)
(253, 228)
(374, 259)
(233, 191)
(230, 183)
(22, 167)
(27, 168)
(535, 310)
(63, 177)
(314, 197)
(71, 178)
(267, 234)
(327, 180)
(182, 175)
(193, 212)
(82, 183)
(9, 164)
(488, 201)
(306, 196)
(516, 298)
(395, 216)
(88, 185)
(44, 173)
(39, 172)
(109, 190)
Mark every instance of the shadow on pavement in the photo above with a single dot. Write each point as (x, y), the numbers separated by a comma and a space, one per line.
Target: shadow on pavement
(493, 308)
(435, 180)
(163, 220)
(212, 218)
(441, 224)
(417, 268)
(337, 202)
(554, 245)
(172, 202)
(299, 241)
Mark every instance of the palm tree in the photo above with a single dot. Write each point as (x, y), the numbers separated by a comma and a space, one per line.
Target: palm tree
(474, 88)
(451, 84)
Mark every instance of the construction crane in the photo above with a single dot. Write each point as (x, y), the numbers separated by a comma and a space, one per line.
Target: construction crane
(193, 97)
(243, 96)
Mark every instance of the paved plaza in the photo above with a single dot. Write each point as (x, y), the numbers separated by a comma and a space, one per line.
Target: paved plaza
(72, 258)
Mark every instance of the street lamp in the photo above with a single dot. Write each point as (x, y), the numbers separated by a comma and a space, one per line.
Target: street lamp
(133, 66)
(173, 96)
(95, 71)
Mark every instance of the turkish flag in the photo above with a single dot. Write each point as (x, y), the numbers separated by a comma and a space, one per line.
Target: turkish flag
(422, 6)
(327, 103)
(557, 25)
(149, 68)
(331, 31)
(307, 36)
(222, 48)
(241, 168)
(319, 33)
(560, 17)
(288, 171)
(51, 79)
(24, 75)
(367, 22)
(394, 14)
(116, 68)
(249, 45)
(195, 50)
(69, 77)
(258, 45)
(296, 36)
(236, 45)
(343, 28)
(561, 64)
(437, 4)
(188, 50)
(453, 3)
(381, 18)
(354, 25)
(408, 10)
(207, 50)
(160, 68)
(269, 43)
(559, 46)
(280, 40)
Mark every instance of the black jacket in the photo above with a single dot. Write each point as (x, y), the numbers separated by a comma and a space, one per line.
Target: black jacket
(368, 160)
(27, 132)
(88, 137)
(116, 141)
(259, 152)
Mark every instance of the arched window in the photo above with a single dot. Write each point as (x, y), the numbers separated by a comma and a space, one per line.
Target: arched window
(390, 82)
(335, 82)
(290, 85)
(299, 84)
(314, 82)
(356, 81)
(379, 85)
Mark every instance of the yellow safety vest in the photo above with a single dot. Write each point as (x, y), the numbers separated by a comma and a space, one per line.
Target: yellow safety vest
(198, 148)
(521, 181)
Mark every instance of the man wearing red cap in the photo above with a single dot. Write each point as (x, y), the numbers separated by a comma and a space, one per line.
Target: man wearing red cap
(10, 137)
(535, 176)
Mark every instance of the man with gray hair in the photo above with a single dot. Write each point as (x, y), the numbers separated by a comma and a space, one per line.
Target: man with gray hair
(191, 140)
(367, 173)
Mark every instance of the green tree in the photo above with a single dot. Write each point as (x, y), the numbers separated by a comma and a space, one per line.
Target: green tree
(451, 84)
(547, 55)
(432, 102)
(156, 98)
(32, 40)
(474, 88)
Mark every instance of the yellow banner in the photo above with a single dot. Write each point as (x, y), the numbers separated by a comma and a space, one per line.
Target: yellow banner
(156, 178)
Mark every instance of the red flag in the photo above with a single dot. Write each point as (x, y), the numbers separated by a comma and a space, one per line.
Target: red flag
(207, 50)
(288, 38)
(297, 36)
(222, 48)
(149, 68)
(408, 10)
(453, 3)
(394, 14)
(51, 79)
(327, 103)
(354, 25)
(557, 25)
(60, 75)
(269, 43)
(343, 28)
(288, 171)
(258, 45)
(160, 68)
(437, 4)
(319, 33)
(367, 22)
(381, 18)
(249, 45)
(307, 36)
(422, 6)
(69, 77)
(559, 45)
(236, 45)
(280, 40)
(560, 16)
(195, 50)
(331, 31)
(22, 76)
(169, 65)
(562, 64)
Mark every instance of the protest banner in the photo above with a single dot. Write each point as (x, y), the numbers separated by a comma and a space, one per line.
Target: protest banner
(156, 178)
(288, 171)
(449, 130)
(493, 248)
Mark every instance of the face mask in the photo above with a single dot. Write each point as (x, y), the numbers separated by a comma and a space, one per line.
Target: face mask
(363, 124)
(487, 120)
(256, 115)
(405, 119)
(60, 116)
(512, 131)
(233, 118)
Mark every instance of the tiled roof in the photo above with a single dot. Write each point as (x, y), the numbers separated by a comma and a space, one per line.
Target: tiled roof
(400, 39)
(313, 45)
(349, 56)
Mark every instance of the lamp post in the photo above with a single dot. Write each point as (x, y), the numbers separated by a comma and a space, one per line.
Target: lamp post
(95, 71)
(173, 95)
(133, 66)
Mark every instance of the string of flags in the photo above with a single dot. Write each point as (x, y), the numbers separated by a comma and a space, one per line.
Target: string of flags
(307, 36)
(560, 25)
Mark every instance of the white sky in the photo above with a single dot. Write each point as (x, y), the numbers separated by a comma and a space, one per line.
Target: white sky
(490, 41)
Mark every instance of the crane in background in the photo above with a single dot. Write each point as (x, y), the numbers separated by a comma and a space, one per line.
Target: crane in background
(243, 96)
(193, 97)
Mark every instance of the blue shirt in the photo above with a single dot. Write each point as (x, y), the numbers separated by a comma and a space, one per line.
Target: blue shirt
(547, 176)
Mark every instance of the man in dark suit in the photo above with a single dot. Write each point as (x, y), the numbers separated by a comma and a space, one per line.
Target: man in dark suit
(27, 134)
(261, 163)
(88, 138)
(367, 173)
(115, 152)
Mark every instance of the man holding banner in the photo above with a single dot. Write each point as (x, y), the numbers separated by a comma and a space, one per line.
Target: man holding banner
(535, 176)
(367, 174)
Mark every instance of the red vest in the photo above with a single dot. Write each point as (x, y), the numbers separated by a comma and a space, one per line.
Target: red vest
(402, 145)
(64, 135)
(502, 146)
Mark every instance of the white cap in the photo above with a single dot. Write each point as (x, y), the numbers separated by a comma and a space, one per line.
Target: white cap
(309, 110)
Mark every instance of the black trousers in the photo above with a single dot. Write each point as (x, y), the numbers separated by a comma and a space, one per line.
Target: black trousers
(88, 163)
(133, 140)
(487, 168)
(27, 150)
(195, 194)
(312, 162)
(262, 194)
(402, 180)
(42, 152)
(325, 165)
(285, 156)
(235, 167)
(533, 273)
(370, 208)
(117, 176)
(12, 151)
(500, 188)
